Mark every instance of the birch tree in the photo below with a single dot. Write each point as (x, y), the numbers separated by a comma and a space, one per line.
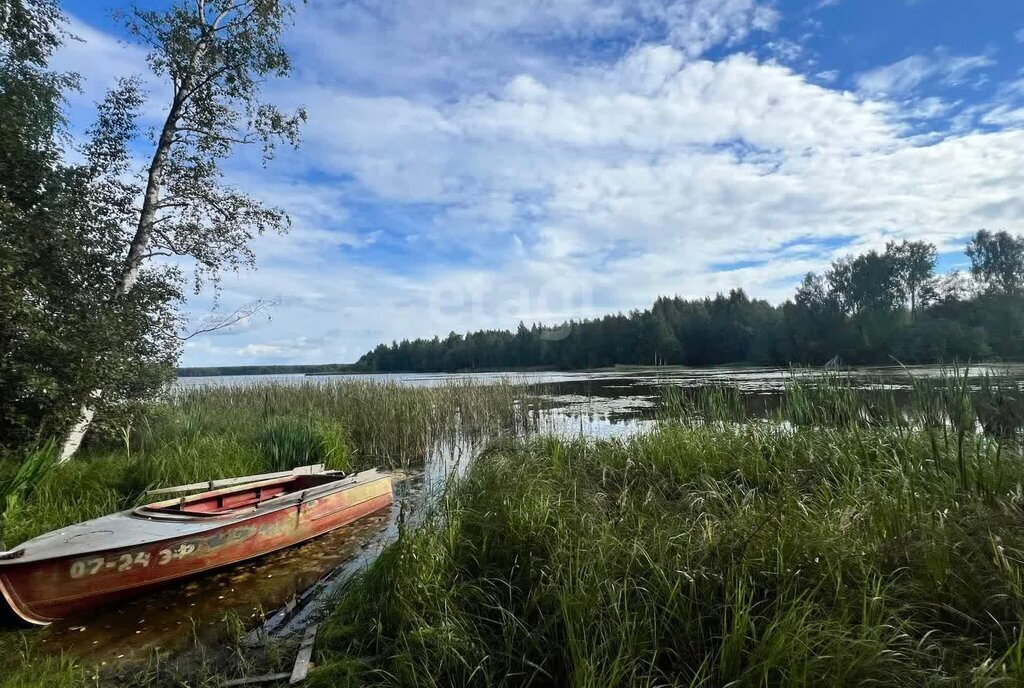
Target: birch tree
(62, 240)
(214, 55)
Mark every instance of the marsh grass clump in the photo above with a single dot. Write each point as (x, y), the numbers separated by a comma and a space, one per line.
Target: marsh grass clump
(835, 400)
(24, 669)
(701, 555)
(999, 404)
(286, 443)
(710, 404)
(955, 401)
(22, 481)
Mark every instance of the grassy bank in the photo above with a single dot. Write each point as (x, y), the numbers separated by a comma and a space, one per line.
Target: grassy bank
(705, 554)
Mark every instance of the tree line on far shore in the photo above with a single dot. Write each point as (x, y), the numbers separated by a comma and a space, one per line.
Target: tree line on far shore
(877, 307)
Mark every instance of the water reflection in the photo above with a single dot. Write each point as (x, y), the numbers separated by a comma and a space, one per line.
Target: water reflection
(174, 616)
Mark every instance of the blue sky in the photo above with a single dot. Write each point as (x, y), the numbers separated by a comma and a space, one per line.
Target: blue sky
(475, 163)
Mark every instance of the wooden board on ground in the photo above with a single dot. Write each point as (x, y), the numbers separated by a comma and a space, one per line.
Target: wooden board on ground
(305, 654)
(254, 680)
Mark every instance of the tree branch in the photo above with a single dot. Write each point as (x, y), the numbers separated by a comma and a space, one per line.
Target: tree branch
(236, 22)
(162, 236)
(216, 22)
(213, 75)
(219, 137)
(215, 322)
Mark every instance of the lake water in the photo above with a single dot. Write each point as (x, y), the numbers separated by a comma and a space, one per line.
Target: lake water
(618, 402)
(592, 403)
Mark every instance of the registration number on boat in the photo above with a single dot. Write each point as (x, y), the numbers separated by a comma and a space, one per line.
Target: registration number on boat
(129, 560)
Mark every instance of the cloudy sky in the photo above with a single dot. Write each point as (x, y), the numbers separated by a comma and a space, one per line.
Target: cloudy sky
(476, 163)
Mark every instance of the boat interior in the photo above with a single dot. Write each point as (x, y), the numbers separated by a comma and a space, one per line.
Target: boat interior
(229, 500)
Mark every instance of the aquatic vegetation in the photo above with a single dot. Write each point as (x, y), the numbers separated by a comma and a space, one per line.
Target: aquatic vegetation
(208, 433)
(957, 400)
(703, 554)
(390, 423)
(24, 480)
(285, 443)
(858, 534)
(23, 669)
(713, 403)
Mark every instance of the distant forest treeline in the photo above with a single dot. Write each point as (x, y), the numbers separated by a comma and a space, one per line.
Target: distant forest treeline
(321, 369)
(871, 308)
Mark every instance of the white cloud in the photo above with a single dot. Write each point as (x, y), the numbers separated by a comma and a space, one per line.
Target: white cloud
(1019, 35)
(1004, 116)
(901, 78)
(429, 49)
(784, 50)
(697, 25)
(652, 101)
(611, 185)
(100, 59)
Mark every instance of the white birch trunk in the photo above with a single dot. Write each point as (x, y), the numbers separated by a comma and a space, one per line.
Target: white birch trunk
(136, 253)
(77, 434)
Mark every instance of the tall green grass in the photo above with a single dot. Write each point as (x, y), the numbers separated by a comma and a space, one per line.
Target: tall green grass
(712, 404)
(200, 434)
(955, 401)
(702, 555)
(23, 481)
(286, 443)
(392, 423)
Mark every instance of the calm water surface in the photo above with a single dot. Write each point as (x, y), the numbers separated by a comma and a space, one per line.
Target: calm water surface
(621, 401)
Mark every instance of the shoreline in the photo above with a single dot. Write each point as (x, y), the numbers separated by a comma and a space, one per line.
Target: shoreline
(310, 371)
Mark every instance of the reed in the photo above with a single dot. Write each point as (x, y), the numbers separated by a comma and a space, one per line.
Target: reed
(286, 443)
(14, 490)
(955, 402)
(392, 423)
(704, 555)
(711, 404)
(201, 434)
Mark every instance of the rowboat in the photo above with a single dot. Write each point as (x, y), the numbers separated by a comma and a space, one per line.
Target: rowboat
(94, 563)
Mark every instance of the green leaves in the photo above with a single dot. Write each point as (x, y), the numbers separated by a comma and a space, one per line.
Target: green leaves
(63, 234)
(83, 304)
(997, 261)
(30, 473)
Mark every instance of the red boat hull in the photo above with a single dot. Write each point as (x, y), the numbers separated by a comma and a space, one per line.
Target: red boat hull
(44, 591)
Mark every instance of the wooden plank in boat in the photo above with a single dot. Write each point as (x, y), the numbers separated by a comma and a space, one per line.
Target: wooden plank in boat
(227, 482)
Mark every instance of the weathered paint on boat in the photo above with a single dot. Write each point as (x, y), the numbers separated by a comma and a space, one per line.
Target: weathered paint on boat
(95, 563)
